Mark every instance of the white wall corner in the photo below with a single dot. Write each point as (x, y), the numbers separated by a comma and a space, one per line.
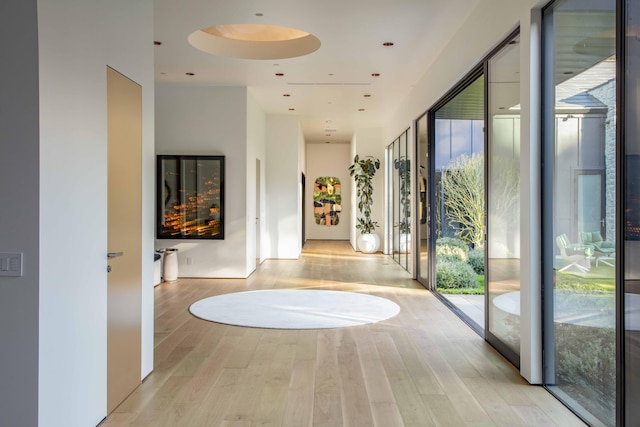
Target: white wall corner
(283, 181)
(213, 121)
(531, 200)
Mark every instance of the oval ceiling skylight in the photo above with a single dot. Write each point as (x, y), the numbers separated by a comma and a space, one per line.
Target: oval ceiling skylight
(254, 41)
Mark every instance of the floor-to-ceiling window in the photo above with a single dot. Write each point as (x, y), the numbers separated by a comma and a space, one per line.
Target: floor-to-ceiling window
(423, 231)
(458, 211)
(469, 227)
(579, 205)
(631, 213)
(399, 169)
(503, 201)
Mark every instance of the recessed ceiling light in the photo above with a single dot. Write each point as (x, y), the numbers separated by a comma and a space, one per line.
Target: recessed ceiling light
(366, 95)
(375, 75)
(190, 74)
(279, 74)
(157, 43)
(387, 44)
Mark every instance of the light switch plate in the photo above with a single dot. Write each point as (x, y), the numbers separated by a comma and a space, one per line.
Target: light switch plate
(11, 264)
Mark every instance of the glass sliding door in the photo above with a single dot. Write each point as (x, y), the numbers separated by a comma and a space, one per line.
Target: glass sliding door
(394, 149)
(631, 215)
(403, 169)
(422, 229)
(458, 210)
(579, 206)
(503, 202)
(400, 190)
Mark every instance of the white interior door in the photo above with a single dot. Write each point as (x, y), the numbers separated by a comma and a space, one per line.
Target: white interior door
(258, 232)
(124, 295)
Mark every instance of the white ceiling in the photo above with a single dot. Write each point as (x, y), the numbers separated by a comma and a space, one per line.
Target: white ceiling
(327, 87)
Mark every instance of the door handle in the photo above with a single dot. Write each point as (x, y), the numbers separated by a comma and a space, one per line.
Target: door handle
(114, 254)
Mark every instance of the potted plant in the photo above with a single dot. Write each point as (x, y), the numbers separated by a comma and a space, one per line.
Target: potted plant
(363, 171)
(403, 166)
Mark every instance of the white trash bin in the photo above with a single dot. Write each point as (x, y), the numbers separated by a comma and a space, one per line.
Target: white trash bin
(170, 265)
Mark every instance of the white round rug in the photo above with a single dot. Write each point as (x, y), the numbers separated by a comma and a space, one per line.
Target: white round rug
(295, 309)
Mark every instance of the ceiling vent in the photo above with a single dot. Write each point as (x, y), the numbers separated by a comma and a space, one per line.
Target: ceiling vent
(330, 130)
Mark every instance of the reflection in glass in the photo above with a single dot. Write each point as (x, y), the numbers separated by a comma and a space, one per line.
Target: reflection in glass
(190, 197)
(631, 205)
(395, 207)
(400, 171)
(503, 197)
(423, 201)
(581, 369)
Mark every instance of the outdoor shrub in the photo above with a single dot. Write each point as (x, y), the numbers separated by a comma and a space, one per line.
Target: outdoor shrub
(476, 260)
(452, 241)
(451, 248)
(453, 273)
(586, 364)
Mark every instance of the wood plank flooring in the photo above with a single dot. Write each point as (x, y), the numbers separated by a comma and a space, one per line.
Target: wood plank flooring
(423, 367)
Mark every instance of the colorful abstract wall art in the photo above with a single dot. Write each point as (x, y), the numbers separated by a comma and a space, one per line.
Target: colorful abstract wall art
(327, 201)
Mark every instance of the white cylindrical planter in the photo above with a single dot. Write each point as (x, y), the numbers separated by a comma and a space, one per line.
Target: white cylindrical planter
(170, 265)
(405, 243)
(368, 243)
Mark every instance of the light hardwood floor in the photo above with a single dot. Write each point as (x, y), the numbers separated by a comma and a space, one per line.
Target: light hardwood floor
(423, 367)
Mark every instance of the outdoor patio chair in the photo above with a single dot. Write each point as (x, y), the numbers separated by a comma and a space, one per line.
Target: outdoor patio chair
(573, 254)
(603, 251)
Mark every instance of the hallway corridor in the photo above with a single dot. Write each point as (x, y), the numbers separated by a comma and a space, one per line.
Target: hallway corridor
(424, 367)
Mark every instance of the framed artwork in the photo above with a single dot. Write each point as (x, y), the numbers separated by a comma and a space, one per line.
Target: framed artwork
(190, 197)
(327, 200)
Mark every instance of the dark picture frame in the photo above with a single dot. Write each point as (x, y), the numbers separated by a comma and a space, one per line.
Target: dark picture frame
(190, 197)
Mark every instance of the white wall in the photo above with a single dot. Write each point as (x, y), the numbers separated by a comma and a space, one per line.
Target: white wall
(77, 41)
(530, 198)
(486, 26)
(328, 160)
(211, 121)
(256, 150)
(369, 142)
(19, 213)
(283, 195)
(302, 169)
